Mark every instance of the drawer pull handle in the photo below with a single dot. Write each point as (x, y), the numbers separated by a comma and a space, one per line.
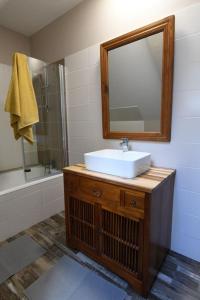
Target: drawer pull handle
(96, 193)
(133, 203)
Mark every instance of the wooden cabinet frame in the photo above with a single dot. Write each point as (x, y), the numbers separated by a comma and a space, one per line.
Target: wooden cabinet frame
(167, 27)
(131, 226)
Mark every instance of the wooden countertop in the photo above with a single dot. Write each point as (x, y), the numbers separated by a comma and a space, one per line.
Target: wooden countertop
(147, 181)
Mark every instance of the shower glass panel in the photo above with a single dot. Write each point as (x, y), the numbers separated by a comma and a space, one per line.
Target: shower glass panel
(48, 154)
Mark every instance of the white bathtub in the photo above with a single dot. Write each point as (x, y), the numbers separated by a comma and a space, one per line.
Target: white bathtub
(18, 179)
(23, 204)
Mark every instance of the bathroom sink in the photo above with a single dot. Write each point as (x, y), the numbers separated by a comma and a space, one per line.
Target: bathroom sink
(116, 162)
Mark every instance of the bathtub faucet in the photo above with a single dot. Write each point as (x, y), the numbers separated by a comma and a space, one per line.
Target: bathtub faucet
(47, 169)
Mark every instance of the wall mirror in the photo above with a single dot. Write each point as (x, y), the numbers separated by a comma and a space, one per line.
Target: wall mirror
(136, 80)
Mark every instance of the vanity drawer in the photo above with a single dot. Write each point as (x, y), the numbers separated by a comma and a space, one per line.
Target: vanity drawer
(99, 191)
(132, 199)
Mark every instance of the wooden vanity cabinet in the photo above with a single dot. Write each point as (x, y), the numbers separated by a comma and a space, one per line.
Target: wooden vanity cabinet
(124, 224)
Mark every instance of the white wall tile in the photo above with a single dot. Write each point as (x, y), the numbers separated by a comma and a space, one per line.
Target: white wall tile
(186, 201)
(186, 104)
(188, 179)
(78, 79)
(94, 55)
(187, 76)
(187, 155)
(94, 75)
(95, 93)
(78, 61)
(186, 130)
(79, 113)
(83, 144)
(82, 129)
(75, 157)
(83, 112)
(78, 96)
(185, 245)
(187, 21)
(172, 155)
(185, 222)
(193, 226)
(187, 49)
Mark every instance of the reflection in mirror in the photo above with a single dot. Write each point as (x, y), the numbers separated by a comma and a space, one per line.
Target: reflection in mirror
(135, 85)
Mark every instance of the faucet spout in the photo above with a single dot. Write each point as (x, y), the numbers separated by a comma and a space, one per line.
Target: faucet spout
(124, 144)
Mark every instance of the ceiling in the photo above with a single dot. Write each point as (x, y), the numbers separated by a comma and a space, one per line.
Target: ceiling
(29, 16)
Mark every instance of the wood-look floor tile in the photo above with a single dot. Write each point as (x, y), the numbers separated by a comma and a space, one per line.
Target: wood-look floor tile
(6, 292)
(179, 278)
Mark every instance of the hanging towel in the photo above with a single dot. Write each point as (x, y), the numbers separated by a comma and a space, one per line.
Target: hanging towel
(21, 102)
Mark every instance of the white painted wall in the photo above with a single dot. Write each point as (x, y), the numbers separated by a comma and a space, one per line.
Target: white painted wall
(182, 153)
(10, 149)
(93, 21)
(12, 42)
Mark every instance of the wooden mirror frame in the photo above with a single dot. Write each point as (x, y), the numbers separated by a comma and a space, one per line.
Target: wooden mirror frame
(167, 27)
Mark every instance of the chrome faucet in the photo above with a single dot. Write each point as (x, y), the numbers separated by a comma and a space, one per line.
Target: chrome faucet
(124, 144)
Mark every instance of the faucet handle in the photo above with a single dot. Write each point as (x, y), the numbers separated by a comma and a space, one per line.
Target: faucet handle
(124, 140)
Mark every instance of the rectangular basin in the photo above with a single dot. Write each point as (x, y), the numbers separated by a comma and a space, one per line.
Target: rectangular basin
(118, 163)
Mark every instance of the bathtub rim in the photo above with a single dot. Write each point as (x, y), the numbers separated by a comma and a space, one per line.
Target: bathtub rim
(30, 183)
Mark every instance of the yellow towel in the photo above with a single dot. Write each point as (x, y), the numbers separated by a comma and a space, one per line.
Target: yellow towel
(21, 102)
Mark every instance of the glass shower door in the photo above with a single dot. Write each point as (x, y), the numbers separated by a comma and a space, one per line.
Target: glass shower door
(48, 155)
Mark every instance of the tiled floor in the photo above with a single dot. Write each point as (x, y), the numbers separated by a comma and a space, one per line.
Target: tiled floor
(179, 278)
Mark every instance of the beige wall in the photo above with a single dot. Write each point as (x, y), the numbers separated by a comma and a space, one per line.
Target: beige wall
(10, 42)
(94, 21)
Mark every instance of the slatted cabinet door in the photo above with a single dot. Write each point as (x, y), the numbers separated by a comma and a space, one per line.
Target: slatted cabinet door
(82, 229)
(121, 241)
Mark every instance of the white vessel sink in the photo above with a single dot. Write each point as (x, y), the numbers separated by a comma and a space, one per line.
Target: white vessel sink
(116, 162)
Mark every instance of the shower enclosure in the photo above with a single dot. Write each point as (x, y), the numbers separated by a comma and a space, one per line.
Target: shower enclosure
(48, 155)
(21, 162)
(31, 181)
